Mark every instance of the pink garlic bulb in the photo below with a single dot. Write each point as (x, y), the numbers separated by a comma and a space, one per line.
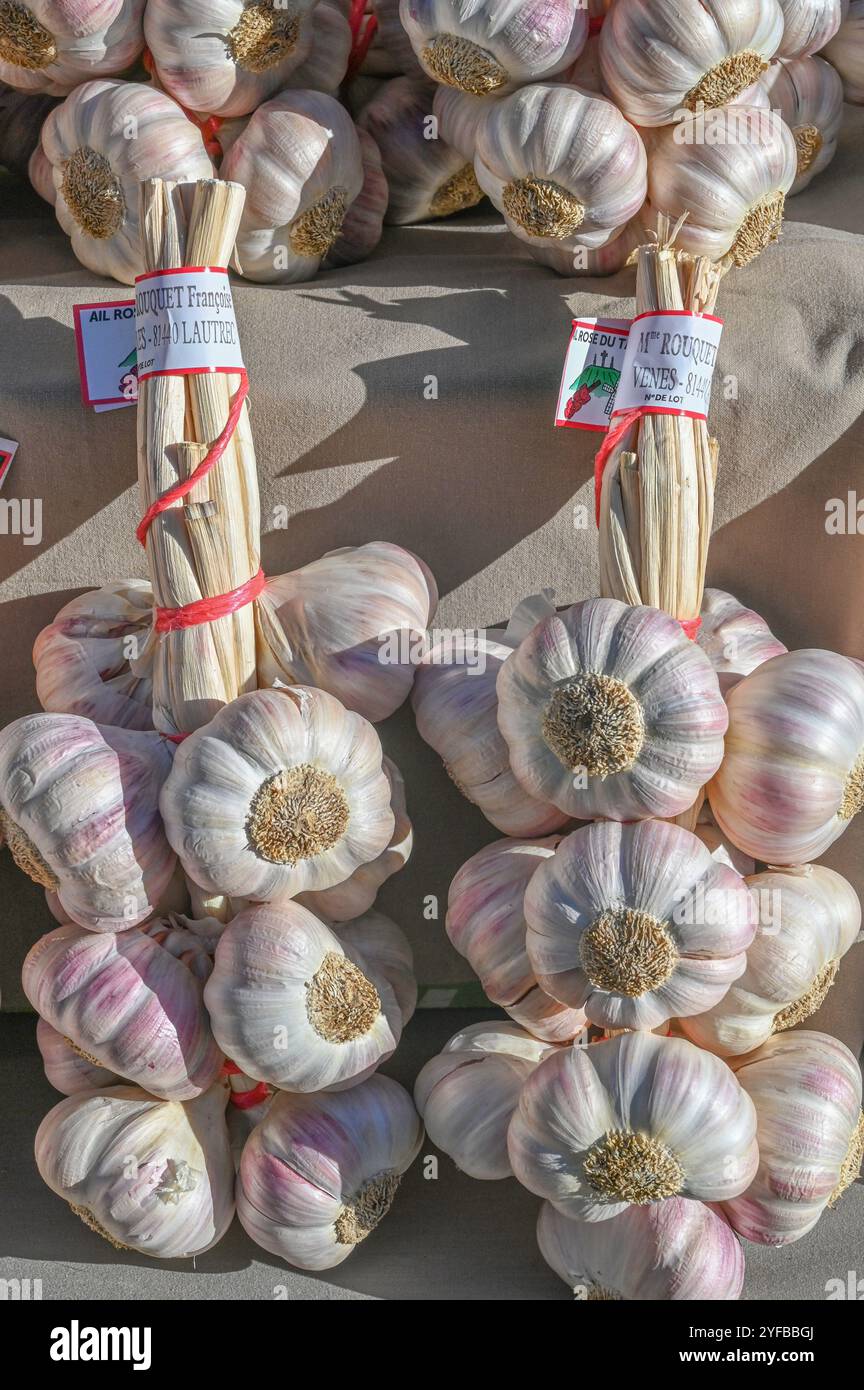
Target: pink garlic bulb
(792, 776)
(808, 25)
(667, 1251)
(320, 1172)
(128, 1004)
(845, 52)
(66, 1066)
(808, 93)
(486, 924)
(54, 45)
(364, 220)
(79, 812)
(734, 638)
(806, 1088)
(95, 659)
(150, 1175)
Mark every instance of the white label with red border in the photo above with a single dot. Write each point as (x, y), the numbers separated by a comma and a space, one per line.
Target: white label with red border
(105, 339)
(7, 454)
(595, 356)
(185, 324)
(669, 363)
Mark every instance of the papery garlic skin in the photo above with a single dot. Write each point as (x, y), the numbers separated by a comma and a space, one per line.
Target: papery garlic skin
(364, 220)
(808, 25)
(283, 792)
(734, 638)
(65, 1066)
(486, 924)
(489, 51)
(808, 93)
(467, 1094)
(632, 1120)
(611, 711)
(299, 160)
(668, 1251)
(562, 166)
(792, 776)
(384, 947)
(82, 659)
(226, 57)
(79, 813)
(348, 623)
(660, 58)
(173, 899)
(806, 1088)
(808, 919)
(54, 45)
(325, 65)
(732, 189)
(321, 1171)
(845, 52)
(97, 170)
(459, 118)
(295, 1005)
(150, 1175)
(191, 942)
(606, 260)
(636, 924)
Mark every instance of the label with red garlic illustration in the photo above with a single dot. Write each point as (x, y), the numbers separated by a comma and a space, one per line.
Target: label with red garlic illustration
(184, 323)
(595, 356)
(669, 363)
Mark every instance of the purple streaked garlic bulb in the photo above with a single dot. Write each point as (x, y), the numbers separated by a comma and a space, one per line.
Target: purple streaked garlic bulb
(79, 813)
(663, 57)
(66, 1067)
(611, 711)
(54, 45)
(296, 1005)
(320, 1172)
(808, 93)
(845, 52)
(637, 924)
(562, 166)
(128, 1004)
(489, 50)
(486, 924)
(734, 638)
(792, 777)
(348, 623)
(467, 1094)
(808, 25)
(807, 920)
(364, 220)
(633, 1120)
(806, 1088)
(150, 1175)
(668, 1251)
(96, 658)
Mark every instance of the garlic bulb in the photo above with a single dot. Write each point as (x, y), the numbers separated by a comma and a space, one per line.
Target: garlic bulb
(486, 49)
(486, 924)
(733, 190)
(845, 52)
(173, 899)
(459, 118)
(806, 1088)
(385, 949)
(467, 1094)
(808, 93)
(229, 56)
(321, 1172)
(22, 115)
(348, 623)
(282, 792)
(65, 1066)
(808, 919)
(79, 813)
(54, 45)
(636, 924)
(325, 65)
(632, 1120)
(734, 638)
(128, 1004)
(611, 711)
(299, 160)
(364, 220)
(809, 24)
(150, 1175)
(295, 1005)
(792, 776)
(105, 139)
(95, 659)
(427, 177)
(561, 165)
(660, 58)
(667, 1251)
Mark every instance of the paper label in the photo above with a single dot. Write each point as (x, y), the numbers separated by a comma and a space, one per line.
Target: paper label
(105, 339)
(7, 454)
(185, 324)
(669, 363)
(595, 356)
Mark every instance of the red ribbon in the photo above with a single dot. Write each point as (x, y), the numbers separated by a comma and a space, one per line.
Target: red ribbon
(595, 24)
(244, 1100)
(207, 610)
(361, 35)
